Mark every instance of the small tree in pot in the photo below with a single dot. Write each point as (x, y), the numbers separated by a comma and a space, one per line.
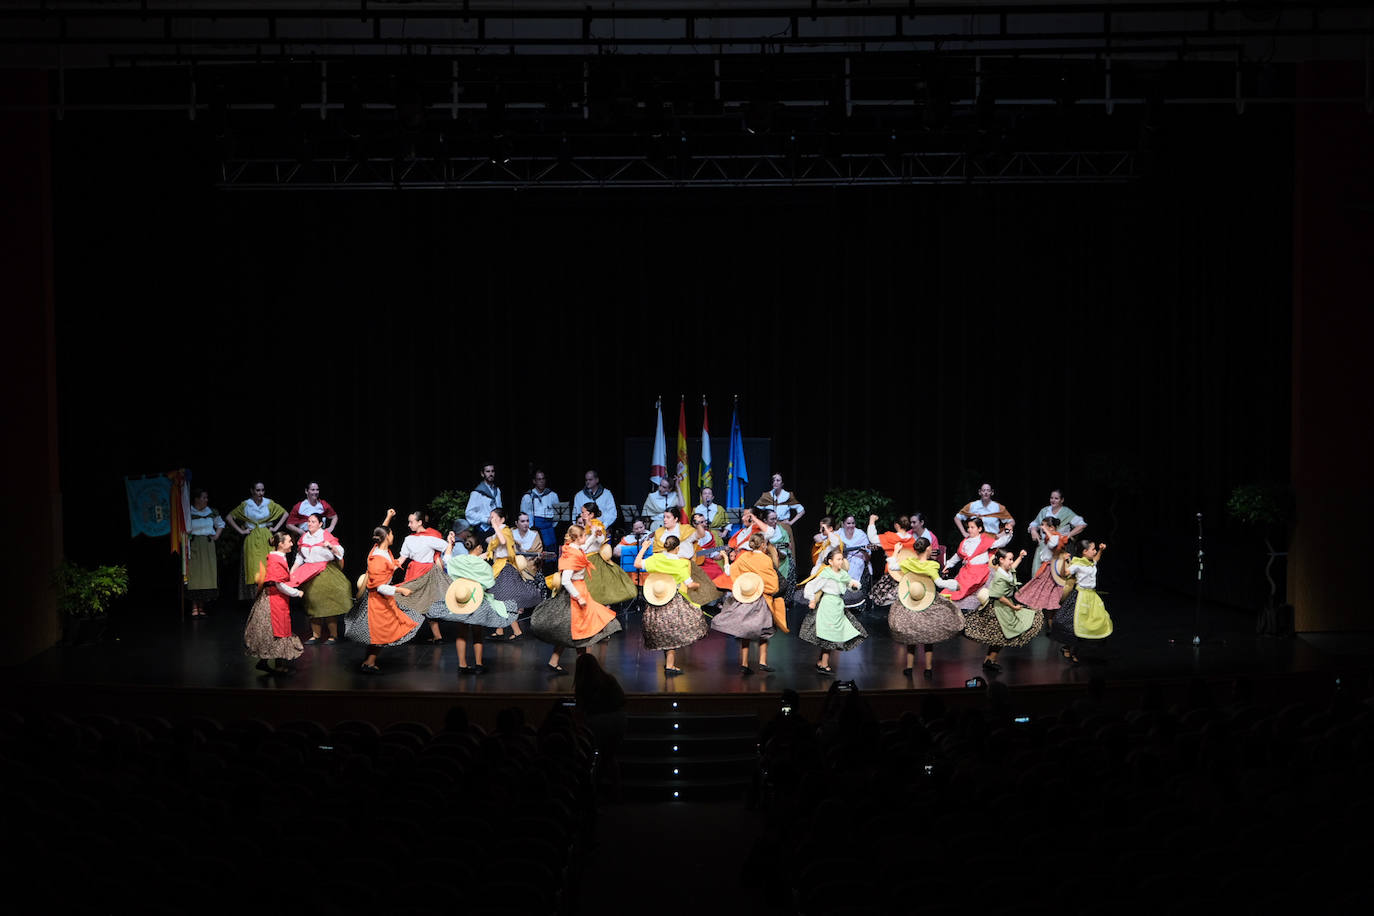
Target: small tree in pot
(1269, 509)
(84, 596)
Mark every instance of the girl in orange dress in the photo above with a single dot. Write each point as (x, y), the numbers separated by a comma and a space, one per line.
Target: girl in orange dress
(376, 619)
(754, 621)
(572, 617)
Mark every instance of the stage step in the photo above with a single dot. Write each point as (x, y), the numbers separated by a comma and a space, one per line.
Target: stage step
(675, 756)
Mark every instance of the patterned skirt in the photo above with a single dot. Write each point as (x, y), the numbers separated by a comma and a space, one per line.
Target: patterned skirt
(356, 626)
(551, 622)
(983, 627)
(1041, 592)
(674, 625)
(883, 591)
(941, 621)
(202, 580)
(427, 594)
(744, 621)
(807, 633)
(1061, 628)
(258, 640)
(512, 588)
(328, 592)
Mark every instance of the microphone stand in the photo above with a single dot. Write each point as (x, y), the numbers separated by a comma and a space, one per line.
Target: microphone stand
(1198, 640)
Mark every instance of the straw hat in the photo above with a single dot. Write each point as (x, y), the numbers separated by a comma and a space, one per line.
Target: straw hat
(659, 588)
(463, 596)
(606, 551)
(748, 588)
(983, 597)
(916, 591)
(362, 585)
(903, 554)
(1059, 569)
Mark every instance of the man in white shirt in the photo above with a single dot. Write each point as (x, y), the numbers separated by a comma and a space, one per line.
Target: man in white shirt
(992, 513)
(594, 492)
(483, 498)
(666, 495)
(540, 504)
(716, 518)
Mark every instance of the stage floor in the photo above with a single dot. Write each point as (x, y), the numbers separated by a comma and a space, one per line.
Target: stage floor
(207, 653)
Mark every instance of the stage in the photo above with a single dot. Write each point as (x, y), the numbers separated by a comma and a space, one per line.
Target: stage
(185, 666)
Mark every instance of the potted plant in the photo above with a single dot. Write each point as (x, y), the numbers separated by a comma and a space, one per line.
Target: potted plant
(84, 597)
(858, 503)
(1268, 508)
(447, 508)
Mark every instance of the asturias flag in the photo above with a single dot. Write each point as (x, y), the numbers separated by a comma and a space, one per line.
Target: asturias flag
(736, 475)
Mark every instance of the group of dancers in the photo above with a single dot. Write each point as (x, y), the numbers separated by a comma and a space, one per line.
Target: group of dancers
(692, 579)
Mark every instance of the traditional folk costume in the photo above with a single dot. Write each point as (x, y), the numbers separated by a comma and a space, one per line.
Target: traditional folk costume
(679, 622)
(939, 621)
(830, 625)
(601, 498)
(781, 502)
(973, 551)
(755, 620)
(258, 516)
(268, 633)
(202, 574)
(1043, 592)
(425, 575)
(490, 612)
(518, 588)
(376, 619)
(1081, 614)
(481, 500)
(1068, 520)
(656, 503)
(318, 573)
(992, 514)
(561, 620)
(715, 516)
(997, 626)
(609, 584)
(707, 551)
(305, 508)
(542, 508)
(883, 591)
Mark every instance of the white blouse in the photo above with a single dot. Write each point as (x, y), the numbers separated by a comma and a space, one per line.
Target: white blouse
(205, 521)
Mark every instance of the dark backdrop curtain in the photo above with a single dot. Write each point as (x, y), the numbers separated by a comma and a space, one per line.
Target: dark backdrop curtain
(1127, 343)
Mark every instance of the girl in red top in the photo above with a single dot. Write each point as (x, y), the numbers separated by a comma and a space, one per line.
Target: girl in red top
(268, 633)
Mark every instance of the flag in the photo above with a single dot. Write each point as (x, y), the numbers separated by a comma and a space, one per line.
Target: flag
(683, 484)
(658, 464)
(704, 469)
(736, 475)
(180, 522)
(150, 505)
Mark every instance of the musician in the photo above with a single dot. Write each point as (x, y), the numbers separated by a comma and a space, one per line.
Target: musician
(483, 498)
(748, 524)
(992, 514)
(311, 505)
(528, 541)
(716, 518)
(708, 548)
(665, 497)
(856, 544)
(594, 492)
(672, 527)
(541, 505)
(781, 502)
(628, 549)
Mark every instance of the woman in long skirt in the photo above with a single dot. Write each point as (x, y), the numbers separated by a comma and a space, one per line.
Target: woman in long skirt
(747, 611)
(1081, 614)
(515, 586)
(422, 554)
(829, 624)
(470, 604)
(919, 615)
(255, 518)
(670, 623)
(376, 620)
(1045, 590)
(883, 591)
(1002, 623)
(318, 573)
(571, 616)
(268, 633)
(202, 577)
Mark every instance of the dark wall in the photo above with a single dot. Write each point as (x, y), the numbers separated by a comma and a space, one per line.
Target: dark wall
(1128, 343)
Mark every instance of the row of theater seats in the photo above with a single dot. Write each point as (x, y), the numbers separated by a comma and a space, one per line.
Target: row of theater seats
(115, 815)
(1203, 807)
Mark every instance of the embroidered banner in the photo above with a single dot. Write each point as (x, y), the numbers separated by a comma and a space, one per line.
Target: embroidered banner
(150, 505)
